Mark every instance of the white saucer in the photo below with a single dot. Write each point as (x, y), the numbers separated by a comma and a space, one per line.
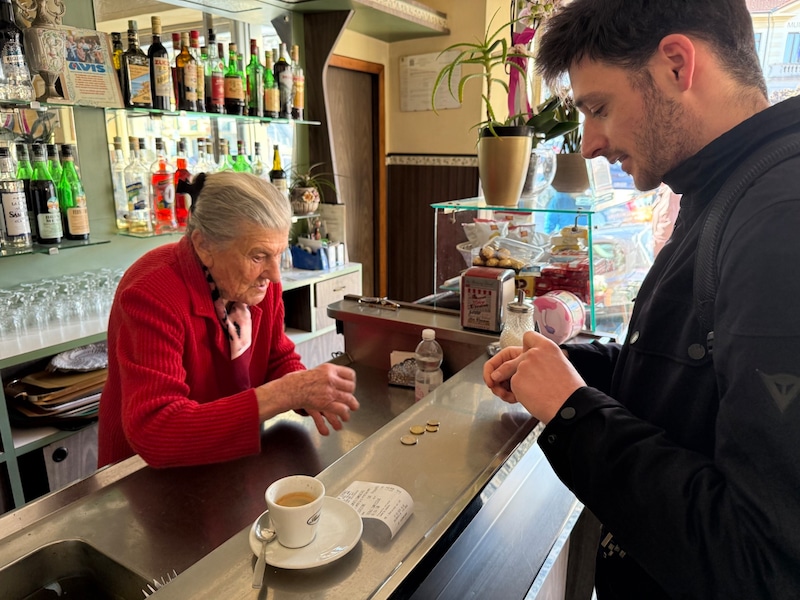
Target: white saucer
(338, 532)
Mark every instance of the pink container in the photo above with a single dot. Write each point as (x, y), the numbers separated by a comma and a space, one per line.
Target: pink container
(559, 315)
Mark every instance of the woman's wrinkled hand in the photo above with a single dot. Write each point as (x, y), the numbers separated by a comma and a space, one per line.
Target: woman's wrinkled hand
(324, 392)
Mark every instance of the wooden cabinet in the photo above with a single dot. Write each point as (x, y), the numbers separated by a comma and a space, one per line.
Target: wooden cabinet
(330, 291)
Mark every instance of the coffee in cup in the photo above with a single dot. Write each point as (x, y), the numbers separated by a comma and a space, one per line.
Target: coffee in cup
(295, 506)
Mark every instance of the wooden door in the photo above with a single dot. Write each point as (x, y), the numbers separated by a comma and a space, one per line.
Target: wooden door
(354, 107)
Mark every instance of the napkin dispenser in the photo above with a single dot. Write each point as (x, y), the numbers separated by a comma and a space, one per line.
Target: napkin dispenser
(485, 292)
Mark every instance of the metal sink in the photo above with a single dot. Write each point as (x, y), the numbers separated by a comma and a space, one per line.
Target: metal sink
(69, 569)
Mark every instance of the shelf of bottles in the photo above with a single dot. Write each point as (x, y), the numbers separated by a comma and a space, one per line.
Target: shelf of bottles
(153, 112)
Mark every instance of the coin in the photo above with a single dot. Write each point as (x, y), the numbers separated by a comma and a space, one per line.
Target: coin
(432, 428)
(408, 440)
(417, 429)
(433, 422)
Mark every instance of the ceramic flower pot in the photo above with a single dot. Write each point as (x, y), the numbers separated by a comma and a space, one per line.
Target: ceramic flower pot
(503, 159)
(572, 174)
(304, 200)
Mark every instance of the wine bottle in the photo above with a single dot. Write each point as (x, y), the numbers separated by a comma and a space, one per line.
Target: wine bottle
(277, 175)
(215, 77)
(283, 75)
(255, 83)
(234, 86)
(259, 167)
(24, 174)
(298, 85)
(118, 185)
(117, 51)
(45, 200)
(72, 199)
(135, 72)
(241, 164)
(14, 224)
(272, 95)
(54, 163)
(186, 70)
(162, 190)
(225, 160)
(183, 201)
(160, 72)
(200, 65)
(137, 190)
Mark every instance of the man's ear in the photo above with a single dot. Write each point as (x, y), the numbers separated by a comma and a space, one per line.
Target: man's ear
(677, 53)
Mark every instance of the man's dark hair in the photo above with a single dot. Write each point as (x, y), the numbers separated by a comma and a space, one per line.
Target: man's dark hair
(626, 33)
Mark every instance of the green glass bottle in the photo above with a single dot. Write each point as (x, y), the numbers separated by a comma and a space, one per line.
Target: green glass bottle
(54, 162)
(255, 83)
(234, 84)
(241, 164)
(45, 202)
(72, 199)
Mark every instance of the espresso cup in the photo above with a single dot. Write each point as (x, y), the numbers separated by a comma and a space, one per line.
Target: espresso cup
(295, 506)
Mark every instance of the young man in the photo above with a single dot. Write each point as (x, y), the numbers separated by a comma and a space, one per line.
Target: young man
(690, 461)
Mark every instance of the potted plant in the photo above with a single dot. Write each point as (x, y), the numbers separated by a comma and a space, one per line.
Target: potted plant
(504, 147)
(571, 176)
(305, 189)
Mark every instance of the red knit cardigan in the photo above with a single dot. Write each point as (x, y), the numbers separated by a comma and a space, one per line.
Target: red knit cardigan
(170, 395)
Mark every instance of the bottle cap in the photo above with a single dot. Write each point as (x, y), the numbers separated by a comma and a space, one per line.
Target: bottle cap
(66, 150)
(428, 334)
(132, 25)
(520, 305)
(155, 25)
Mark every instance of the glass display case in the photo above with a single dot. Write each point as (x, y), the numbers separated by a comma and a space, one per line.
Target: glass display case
(598, 248)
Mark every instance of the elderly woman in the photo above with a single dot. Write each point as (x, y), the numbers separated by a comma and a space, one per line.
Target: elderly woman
(198, 355)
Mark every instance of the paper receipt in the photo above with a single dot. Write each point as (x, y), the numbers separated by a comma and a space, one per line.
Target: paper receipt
(388, 503)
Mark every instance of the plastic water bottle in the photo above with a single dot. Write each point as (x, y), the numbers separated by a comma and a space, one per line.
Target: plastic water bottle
(429, 358)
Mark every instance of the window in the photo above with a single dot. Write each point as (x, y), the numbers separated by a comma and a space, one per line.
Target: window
(792, 52)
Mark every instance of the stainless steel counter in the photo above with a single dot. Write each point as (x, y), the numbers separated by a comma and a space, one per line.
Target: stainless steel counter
(156, 520)
(489, 512)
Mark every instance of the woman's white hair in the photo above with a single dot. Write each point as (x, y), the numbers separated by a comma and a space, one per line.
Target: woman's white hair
(228, 200)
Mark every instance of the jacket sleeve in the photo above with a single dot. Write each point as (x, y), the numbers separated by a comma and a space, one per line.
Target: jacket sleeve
(161, 421)
(725, 525)
(594, 361)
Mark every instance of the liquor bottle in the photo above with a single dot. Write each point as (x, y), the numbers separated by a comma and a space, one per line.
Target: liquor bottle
(162, 186)
(24, 174)
(176, 50)
(215, 77)
(259, 166)
(160, 73)
(200, 65)
(9, 29)
(186, 69)
(118, 184)
(14, 224)
(241, 164)
(272, 95)
(234, 85)
(225, 160)
(183, 201)
(135, 72)
(298, 85)
(116, 54)
(277, 175)
(54, 163)
(283, 75)
(137, 191)
(16, 84)
(44, 199)
(255, 83)
(72, 199)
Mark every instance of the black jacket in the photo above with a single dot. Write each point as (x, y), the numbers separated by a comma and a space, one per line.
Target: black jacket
(692, 463)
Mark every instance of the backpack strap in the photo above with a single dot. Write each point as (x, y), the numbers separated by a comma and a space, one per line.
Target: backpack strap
(706, 278)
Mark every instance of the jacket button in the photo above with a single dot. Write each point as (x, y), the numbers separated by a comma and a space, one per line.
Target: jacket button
(634, 337)
(551, 439)
(567, 413)
(696, 351)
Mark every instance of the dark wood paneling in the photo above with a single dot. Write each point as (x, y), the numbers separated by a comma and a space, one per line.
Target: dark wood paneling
(411, 191)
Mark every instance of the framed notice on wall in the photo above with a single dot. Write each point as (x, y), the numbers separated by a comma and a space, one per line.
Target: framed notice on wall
(83, 60)
(418, 74)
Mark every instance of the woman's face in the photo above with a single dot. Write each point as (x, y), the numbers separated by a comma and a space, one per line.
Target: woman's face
(244, 268)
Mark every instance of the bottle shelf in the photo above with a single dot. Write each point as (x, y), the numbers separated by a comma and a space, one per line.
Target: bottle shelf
(198, 115)
(52, 248)
(149, 234)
